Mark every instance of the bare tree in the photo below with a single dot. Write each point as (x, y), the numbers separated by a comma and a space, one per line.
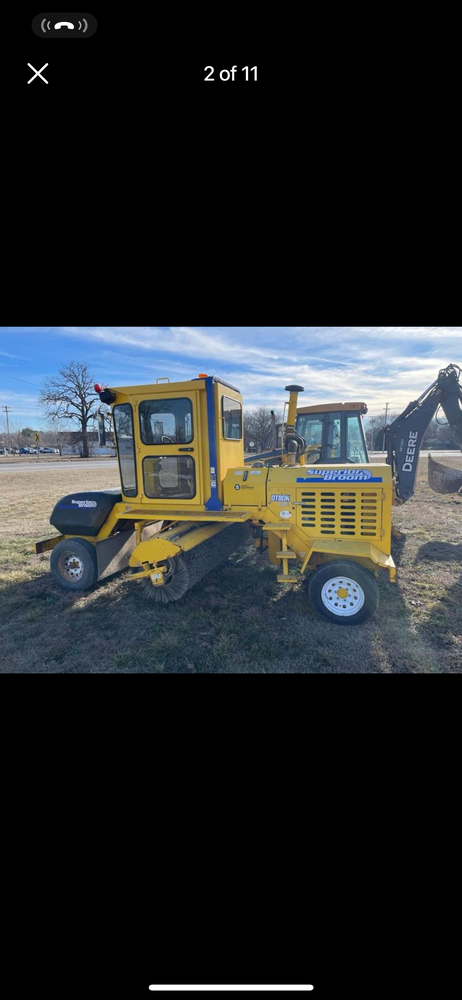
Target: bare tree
(15, 435)
(258, 427)
(438, 435)
(71, 396)
(375, 429)
(57, 433)
(445, 436)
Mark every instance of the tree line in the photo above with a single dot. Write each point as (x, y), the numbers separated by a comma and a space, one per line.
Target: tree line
(437, 435)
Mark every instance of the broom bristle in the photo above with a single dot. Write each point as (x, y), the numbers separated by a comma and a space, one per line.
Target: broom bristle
(192, 566)
(174, 588)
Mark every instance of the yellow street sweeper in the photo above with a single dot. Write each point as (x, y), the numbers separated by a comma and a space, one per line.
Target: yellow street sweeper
(188, 499)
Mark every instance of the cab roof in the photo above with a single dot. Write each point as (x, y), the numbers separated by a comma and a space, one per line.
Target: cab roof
(331, 407)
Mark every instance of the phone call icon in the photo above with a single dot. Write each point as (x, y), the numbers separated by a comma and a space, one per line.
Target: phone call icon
(64, 25)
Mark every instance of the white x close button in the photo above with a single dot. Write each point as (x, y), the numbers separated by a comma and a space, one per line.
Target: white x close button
(37, 72)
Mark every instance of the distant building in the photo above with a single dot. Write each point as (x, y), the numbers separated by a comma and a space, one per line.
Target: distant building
(73, 445)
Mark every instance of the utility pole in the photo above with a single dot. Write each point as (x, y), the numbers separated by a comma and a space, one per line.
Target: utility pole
(7, 410)
(386, 421)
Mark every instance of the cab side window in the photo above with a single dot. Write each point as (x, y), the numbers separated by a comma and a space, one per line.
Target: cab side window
(123, 423)
(356, 451)
(232, 418)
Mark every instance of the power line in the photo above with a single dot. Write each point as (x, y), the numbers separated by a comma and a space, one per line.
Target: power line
(5, 375)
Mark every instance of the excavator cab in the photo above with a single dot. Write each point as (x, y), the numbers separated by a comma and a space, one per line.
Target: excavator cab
(334, 433)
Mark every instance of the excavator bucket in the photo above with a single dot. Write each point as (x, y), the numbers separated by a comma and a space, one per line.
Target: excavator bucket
(442, 478)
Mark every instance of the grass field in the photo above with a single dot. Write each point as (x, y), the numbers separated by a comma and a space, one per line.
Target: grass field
(237, 620)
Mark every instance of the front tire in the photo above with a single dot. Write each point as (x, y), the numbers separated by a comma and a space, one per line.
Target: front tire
(344, 593)
(73, 564)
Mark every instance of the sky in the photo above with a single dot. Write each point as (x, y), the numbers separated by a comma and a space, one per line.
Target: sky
(373, 364)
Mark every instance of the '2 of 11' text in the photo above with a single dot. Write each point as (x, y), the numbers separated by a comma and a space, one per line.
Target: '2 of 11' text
(230, 74)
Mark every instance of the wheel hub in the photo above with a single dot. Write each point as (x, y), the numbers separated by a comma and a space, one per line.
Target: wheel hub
(72, 567)
(342, 596)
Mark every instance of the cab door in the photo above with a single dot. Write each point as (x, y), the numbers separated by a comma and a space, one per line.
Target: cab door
(169, 456)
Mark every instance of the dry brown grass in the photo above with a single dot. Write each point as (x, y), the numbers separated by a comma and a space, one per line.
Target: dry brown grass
(30, 496)
(238, 620)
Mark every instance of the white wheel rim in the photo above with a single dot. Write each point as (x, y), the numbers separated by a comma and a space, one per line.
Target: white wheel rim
(342, 596)
(72, 567)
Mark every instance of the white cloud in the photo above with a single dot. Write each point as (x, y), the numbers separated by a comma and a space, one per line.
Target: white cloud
(376, 364)
(181, 340)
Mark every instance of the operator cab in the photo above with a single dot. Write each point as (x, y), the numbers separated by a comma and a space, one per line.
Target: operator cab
(176, 440)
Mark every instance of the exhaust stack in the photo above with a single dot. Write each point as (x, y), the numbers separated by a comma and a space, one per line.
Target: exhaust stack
(292, 444)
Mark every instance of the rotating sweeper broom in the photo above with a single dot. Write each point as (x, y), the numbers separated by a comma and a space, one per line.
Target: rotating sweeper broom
(188, 500)
(183, 571)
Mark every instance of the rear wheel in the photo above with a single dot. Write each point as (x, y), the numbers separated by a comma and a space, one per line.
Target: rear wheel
(344, 593)
(73, 564)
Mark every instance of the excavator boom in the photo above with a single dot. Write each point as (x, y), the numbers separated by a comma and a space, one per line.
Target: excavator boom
(404, 436)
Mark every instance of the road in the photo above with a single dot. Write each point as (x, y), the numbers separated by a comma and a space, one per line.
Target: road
(379, 455)
(44, 466)
(108, 463)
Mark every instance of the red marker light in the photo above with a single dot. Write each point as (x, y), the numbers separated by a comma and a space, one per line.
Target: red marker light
(98, 387)
(202, 376)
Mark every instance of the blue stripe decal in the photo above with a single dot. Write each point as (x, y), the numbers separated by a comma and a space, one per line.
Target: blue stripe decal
(214, 502)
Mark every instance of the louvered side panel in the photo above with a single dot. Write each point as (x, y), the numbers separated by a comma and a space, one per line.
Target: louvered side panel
(340, 513)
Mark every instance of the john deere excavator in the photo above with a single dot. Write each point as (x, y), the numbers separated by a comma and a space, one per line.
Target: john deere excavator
(188, 499)
(334, 432)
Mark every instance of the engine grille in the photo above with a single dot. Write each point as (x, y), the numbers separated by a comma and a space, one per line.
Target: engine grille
(340, 513)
